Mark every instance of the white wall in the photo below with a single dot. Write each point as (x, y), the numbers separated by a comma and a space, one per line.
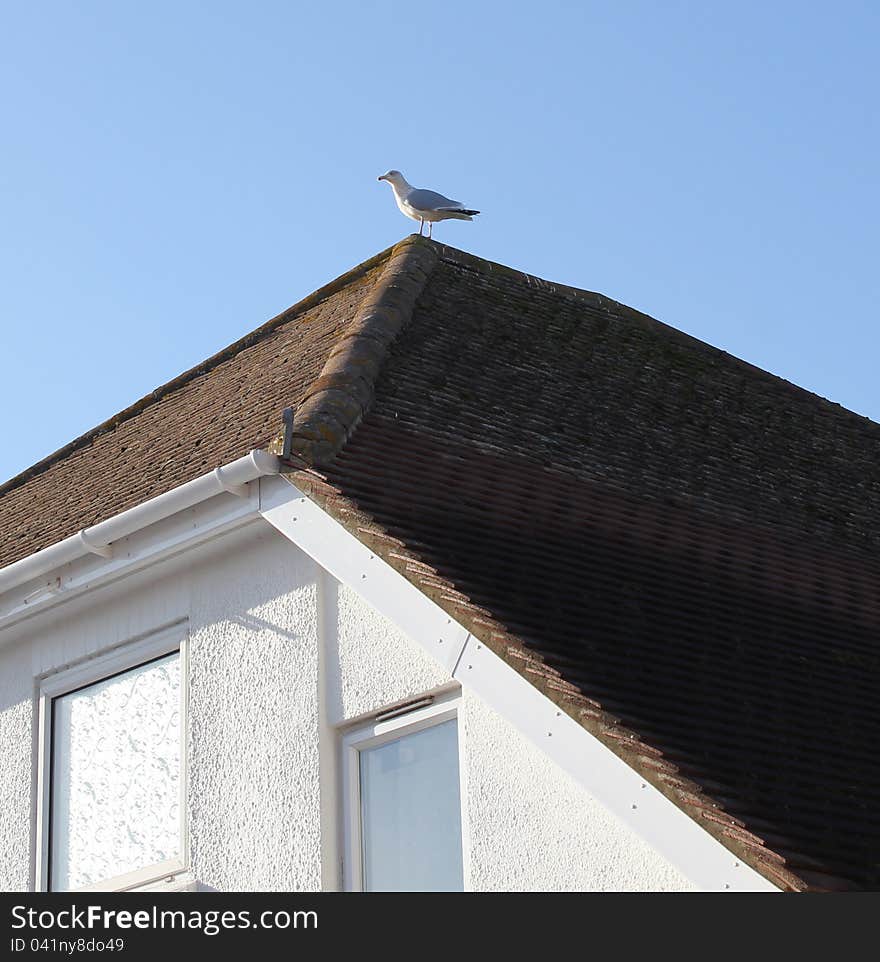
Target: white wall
(250, 602)
(16, 713)
(529, 825)
(253, 783)
(533, 828)
(282, 659)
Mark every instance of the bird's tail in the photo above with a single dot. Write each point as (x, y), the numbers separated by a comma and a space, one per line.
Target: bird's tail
(459, 213)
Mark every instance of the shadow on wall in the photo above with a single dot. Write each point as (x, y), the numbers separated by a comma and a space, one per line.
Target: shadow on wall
(330, 667)
(252, 623)
(16, 676)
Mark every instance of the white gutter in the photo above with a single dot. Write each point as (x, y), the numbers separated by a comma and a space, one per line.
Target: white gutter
(98, 539)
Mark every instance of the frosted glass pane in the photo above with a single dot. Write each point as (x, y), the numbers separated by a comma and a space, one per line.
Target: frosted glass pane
(411, 813)
(116, 775)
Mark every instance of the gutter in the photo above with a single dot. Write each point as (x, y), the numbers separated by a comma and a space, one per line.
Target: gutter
(98, 539)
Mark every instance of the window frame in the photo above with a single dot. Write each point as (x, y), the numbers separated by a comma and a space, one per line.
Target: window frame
(117, 660)
(379, 731)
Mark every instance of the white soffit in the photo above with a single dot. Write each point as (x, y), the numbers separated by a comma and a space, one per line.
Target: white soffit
(700, 857)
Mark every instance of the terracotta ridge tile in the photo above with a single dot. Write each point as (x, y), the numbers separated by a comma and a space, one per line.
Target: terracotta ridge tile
(307, 303)
(342, 393)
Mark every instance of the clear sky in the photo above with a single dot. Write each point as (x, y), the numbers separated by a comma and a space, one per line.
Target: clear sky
(173, 174)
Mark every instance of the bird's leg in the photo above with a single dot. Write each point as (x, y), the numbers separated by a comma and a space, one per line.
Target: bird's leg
(421, 225)
(430, 228)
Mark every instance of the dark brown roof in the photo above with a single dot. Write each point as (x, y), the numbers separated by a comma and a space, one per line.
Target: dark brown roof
(678, 548)
(208, 416)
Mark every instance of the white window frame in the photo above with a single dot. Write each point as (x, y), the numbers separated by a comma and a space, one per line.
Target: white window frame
(129, 655)
(445, 707)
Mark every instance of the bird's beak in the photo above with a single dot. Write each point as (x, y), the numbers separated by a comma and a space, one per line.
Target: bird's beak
(381, 178)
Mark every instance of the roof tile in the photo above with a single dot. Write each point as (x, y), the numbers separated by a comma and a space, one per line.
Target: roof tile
(679, 549)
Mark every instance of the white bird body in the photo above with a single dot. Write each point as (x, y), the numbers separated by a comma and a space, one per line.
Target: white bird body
(425, 206)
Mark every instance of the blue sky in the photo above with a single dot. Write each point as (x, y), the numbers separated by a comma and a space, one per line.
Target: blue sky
(173, 174)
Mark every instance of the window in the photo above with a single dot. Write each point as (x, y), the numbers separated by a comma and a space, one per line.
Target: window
(403, 803)
(110, 798)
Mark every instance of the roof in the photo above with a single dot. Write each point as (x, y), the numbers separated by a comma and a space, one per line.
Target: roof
(209, 415)
(679, 549)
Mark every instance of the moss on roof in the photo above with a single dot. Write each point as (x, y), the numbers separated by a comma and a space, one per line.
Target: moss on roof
(679, 549)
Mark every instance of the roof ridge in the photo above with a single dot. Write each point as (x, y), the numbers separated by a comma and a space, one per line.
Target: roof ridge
(334, 404)
(203, 367)
(431, 250)
(618, 309)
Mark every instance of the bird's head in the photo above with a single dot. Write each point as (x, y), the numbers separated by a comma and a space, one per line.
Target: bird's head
(392, 176)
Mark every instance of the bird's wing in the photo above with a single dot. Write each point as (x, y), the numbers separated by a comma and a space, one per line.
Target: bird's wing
(430, 200)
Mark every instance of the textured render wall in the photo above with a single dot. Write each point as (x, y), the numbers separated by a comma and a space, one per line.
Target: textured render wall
(528, 825)
(254, 605)
(370, 663)
(532, 827)
(15, 769)
(254, 799)
(253, 761)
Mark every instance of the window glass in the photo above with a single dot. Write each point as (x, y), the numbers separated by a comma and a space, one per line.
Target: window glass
(116, 775)
(411, 813)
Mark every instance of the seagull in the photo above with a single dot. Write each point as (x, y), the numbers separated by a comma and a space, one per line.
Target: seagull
(424, 205)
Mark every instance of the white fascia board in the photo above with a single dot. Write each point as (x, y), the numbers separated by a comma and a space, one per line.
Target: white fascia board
(605, 776)
(200, 510)
(305, 524)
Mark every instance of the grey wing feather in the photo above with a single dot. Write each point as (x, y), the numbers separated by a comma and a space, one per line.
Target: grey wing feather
(431, 200)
